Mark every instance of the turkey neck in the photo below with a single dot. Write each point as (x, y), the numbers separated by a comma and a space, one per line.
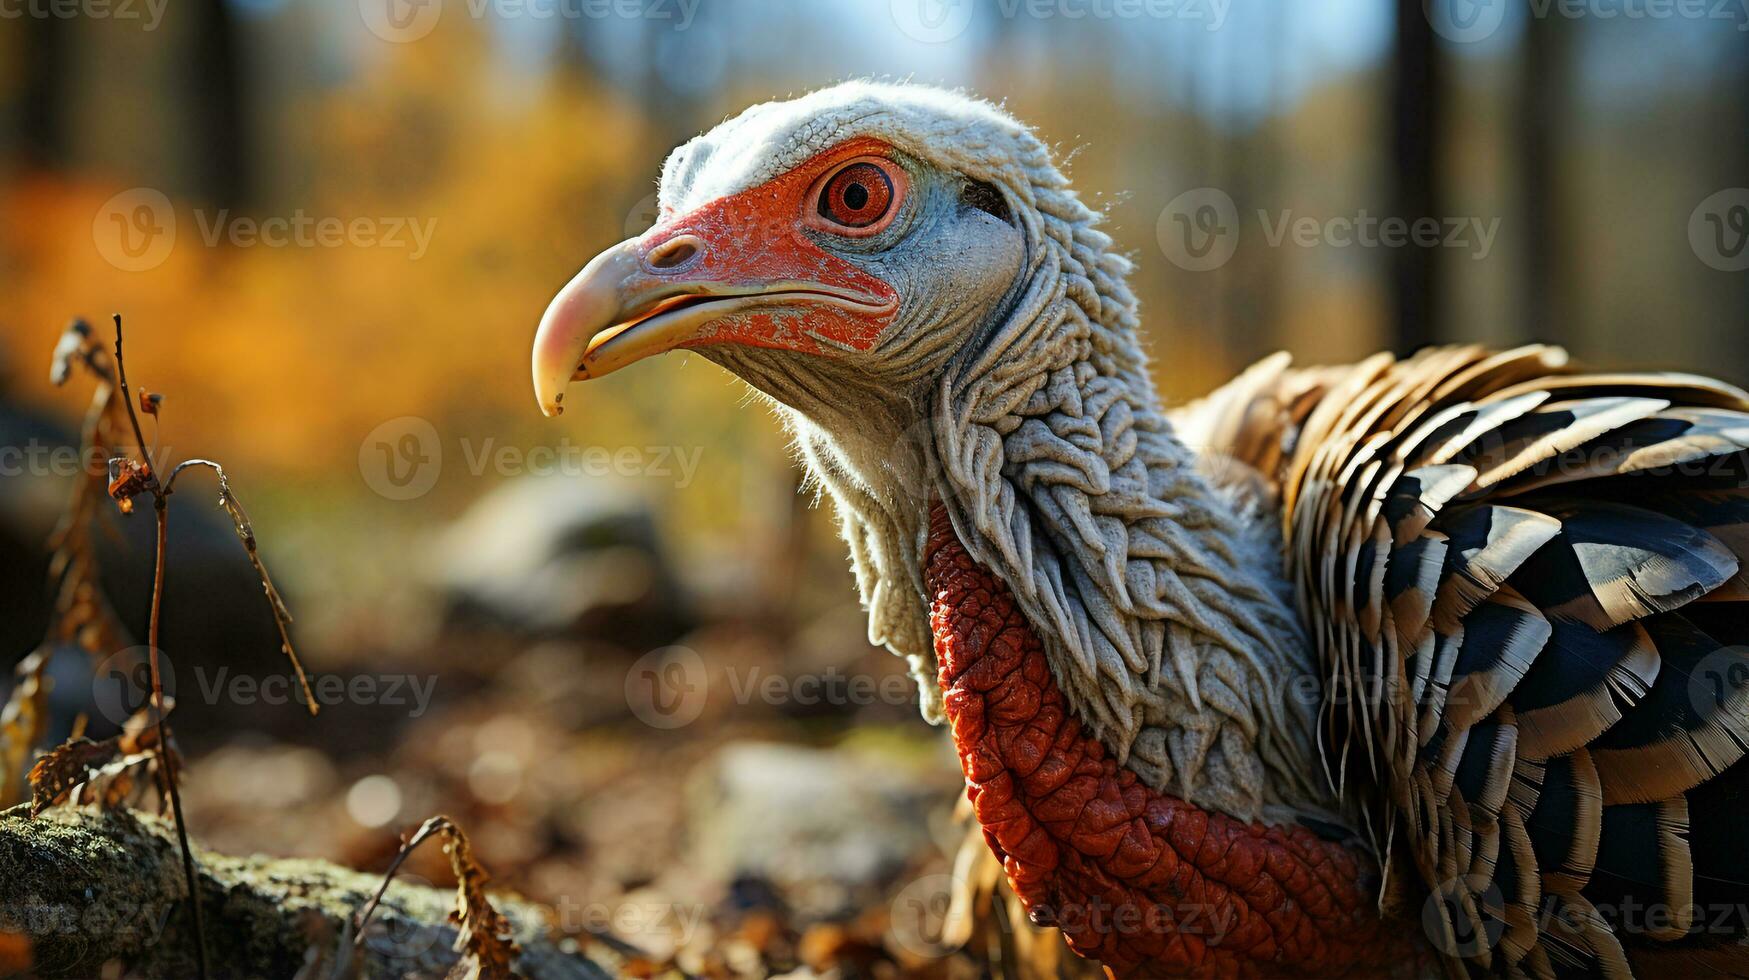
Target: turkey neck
(1148, 884)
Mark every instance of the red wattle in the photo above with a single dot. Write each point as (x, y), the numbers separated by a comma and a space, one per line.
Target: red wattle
(1144, 882)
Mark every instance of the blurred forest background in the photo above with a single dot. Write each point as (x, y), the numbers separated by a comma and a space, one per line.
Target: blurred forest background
(369, 394)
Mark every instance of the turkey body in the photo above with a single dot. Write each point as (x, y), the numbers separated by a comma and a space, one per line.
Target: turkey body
(1527, 589)
(1441, 652)
(1143, 882)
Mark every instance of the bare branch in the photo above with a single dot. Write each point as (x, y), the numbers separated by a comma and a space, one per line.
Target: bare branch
(486, 938)
(127, 398)
(282, 617)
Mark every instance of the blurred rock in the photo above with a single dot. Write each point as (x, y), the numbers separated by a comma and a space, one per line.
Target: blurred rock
(828, 827)
(543, 556)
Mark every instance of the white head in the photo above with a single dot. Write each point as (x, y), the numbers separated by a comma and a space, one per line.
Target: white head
(911, 280)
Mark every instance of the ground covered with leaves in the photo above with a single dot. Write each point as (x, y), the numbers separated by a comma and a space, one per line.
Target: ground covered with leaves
(787, 813)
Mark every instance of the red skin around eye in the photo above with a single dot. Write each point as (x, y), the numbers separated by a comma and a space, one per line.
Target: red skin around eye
(1146, 883)
(760, 235)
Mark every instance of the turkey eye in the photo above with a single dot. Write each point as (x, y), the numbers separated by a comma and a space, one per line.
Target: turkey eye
(858, 196)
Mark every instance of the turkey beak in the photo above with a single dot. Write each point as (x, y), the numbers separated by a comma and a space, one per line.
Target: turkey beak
(665, 290)
(577, 320)
(633, 301)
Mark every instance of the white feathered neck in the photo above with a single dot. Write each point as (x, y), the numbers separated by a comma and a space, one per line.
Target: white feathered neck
(1163, 606)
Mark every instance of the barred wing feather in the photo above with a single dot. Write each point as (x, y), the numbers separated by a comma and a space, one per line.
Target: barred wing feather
(1528, 589)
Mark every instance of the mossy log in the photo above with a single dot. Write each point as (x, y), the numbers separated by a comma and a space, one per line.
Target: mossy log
(87, 888)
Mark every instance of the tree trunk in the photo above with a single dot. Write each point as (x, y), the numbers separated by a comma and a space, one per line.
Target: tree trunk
(1542, 108)
(1417, 101)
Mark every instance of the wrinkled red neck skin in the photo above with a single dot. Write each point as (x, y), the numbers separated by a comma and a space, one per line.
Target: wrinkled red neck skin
(1146, 883)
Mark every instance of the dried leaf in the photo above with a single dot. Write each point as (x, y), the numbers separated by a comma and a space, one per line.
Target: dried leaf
(82, 613)
(80, 762)
(485, 940)
(76, 343)
(487, 949)
(127, 480)
(21, 723)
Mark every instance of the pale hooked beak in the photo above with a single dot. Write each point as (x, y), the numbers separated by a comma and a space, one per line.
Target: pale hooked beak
(636, 300)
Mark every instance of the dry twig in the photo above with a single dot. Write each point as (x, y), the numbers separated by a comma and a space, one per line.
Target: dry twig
(83, 615)
(136, 478)
(485, 942)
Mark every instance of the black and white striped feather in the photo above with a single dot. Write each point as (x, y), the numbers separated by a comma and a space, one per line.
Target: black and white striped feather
(1528, 588)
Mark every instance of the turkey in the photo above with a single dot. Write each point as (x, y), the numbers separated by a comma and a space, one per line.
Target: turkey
(1412, 665)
